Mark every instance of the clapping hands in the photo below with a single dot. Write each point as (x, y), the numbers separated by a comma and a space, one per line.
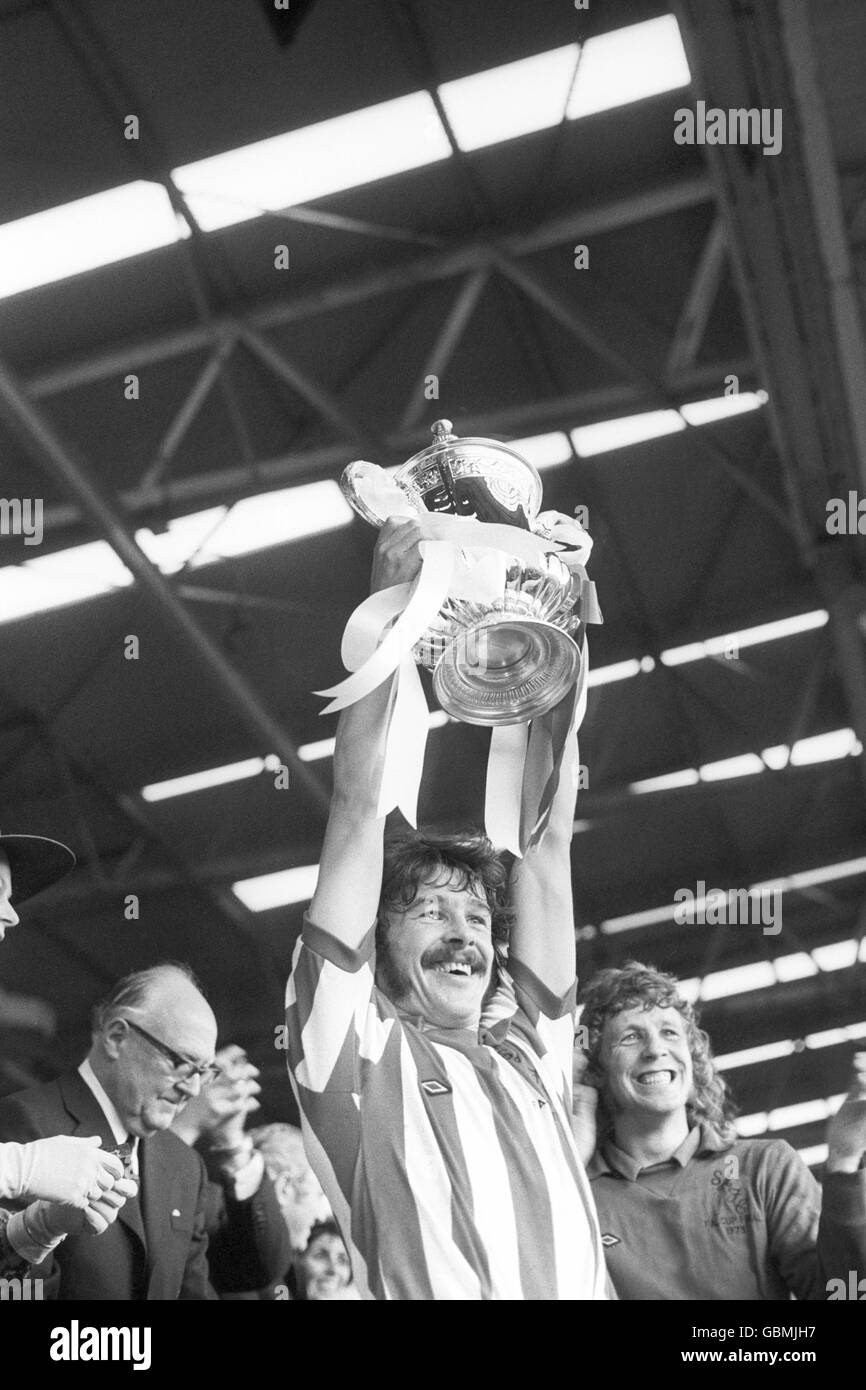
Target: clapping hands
(219, 1113)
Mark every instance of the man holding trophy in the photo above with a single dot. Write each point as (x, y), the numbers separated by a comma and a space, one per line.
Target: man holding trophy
(430, 1009)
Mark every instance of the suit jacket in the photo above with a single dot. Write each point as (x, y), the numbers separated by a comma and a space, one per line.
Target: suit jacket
(157, 1247)
(248, 1241)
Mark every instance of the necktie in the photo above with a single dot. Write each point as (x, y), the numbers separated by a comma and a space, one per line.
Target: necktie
(125, 1152)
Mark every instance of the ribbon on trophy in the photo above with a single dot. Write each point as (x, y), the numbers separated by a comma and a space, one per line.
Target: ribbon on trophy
(465, 559)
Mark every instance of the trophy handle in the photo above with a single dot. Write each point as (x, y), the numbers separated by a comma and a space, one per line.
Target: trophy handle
(361, 481)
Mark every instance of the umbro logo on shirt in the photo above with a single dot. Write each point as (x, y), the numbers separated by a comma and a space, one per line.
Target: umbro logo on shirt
(435, 1088)
(608, 1239)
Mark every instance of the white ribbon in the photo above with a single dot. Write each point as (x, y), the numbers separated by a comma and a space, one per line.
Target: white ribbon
(427, 596)
(405, 745)
(464, 559)
(505, 763)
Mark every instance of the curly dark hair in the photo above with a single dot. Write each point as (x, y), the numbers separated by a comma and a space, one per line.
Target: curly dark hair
(636, 985)
(460, 860)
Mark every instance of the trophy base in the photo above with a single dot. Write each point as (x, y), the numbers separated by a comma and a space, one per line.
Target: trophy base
(505, 671)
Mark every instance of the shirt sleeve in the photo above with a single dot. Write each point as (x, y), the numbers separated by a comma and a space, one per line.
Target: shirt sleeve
(33, 1243)
(813, 1241)
(338, 1026)
(328, 1005)
(12, 1261)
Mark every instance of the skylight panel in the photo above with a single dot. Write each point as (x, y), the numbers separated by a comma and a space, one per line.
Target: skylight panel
(822, 748)
(740, 980)
(90, 232)
(750, 1056)
(776, 757)
(770, 632)
(508, 101)
(806, 1113)
(209, 777)
(720, 407)
(646, 918)
(345, 151)
(53, 581)
(837, 956)
(741, 766)
(824, 873)
(747, 1126)
(324, 747)
(641, 60)
(607, 435)
(172, 548)
(284, 171)
(314, 752)
(685, 777)
(273, 518)
(543, 450)
(689, 990)
(798, 966)
(278, 889)
(749, 637)
(815, 1154)
(618, 671)
(831, 1037)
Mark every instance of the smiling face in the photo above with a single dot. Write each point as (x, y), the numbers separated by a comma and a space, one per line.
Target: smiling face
(438, 957)
(647, 1062)
(8, 915)
(325, 1267)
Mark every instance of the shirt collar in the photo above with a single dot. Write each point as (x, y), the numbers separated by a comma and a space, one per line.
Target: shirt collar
(91, 1081)
(610, 1159)
(452, 1037)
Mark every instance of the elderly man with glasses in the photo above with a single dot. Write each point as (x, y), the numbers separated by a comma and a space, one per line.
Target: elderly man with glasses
(153, 1044)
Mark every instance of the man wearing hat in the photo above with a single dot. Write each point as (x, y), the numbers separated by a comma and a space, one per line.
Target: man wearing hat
(78, 1186)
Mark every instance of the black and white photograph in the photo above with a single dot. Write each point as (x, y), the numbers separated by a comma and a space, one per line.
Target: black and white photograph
(433, 671)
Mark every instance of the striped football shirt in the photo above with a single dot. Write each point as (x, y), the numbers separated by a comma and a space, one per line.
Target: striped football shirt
(447, 1155)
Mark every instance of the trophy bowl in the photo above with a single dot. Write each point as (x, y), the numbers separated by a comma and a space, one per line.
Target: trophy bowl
(511, 659)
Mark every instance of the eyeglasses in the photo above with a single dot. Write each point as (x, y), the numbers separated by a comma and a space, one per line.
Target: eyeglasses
(184, 1068)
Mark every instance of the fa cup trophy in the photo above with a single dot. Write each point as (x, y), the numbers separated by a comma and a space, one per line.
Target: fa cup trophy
(497, 613)
(506, 655)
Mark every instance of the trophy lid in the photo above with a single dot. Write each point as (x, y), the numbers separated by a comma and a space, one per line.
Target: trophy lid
(445, 443)
(445, 477)
(507, 474)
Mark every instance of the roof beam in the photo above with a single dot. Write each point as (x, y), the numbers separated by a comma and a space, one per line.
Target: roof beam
(775, 241)
(578, 223)
(695, 313)
(215, 874)
(55, 458)
(585, 326)
(822, 177)
(197, 491)
(189, 409)
(322, 400)
(447, 341)
(785, 225)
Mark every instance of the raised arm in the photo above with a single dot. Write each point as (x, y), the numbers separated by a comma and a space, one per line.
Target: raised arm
(350, 871)
(542, 937)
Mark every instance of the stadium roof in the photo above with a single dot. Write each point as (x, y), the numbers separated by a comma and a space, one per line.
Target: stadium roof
(182, 395)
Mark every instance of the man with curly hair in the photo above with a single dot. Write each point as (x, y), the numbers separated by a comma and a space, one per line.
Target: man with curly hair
(433, 1077)
(688, 1210)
